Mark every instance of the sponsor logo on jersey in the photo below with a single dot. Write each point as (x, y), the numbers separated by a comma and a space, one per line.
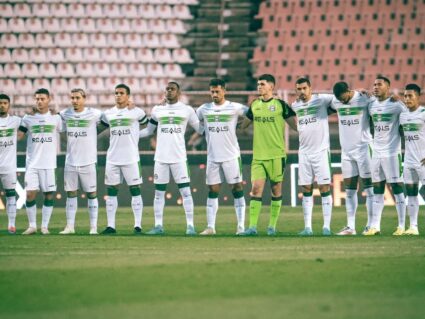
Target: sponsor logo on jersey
(121, 132)
(411, 138)
(307, 121)
(42, 140)
(382, 128)
(218, 129)
(264, 119)
(349, 122)
(6, 143)
(77, 134)
(171, 130)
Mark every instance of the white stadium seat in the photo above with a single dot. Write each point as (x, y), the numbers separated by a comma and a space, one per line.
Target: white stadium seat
(4, 25)
(175, 26)
(81, 40)
(164, 11)
(133, 83)
(122, 25)
(105, 25)
(112, 10)
(91, 55)
(15, 25)
(20, 55)
(163, 55)
(70, 25)
(151, 40)
(119, 69)
(58, 10)
(30, 70)
(9, 40)
(98, 40)
(127, 55)
(109, 55)
(63, 40)
(139, 25)
(60, 86)
(94, 10)
(44, 40)
(87, 25)
(41, 10)
(74, 54)
(84, 69)
(51, 25)
(133, 40)
(77, 10)
(24, 86)
(173, 71)
(48, 70)
(37, 55)
(129, 10)
(116, 40)
(55, 55)
(145, 55)
(7, 85)
(5, 55)
(110, 84)
(66, 70)
(95, 84)
(6, 10)
(181, 55)
(102, 69)
(147, 11)
(169, 41)
(26, 40)
(22, 10)
(157, 26)
(181, 11)
(155, 70)
(41, 83)
(137, 70)
(77, 83)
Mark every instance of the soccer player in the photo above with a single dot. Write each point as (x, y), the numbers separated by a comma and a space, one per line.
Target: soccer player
(42, 129)
(80, 124)
(170, 121)
(355, 138)
(220, 118)
(122, 158)
(314, 152)
(8, 137)
(269, 115)
(413, 124)
(386, 157)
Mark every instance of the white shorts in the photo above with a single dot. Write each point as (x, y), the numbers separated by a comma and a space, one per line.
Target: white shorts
(40, 179)
(180, 172)
(85, 174)
(314, 165)
(414, 175)
(229, 170)
(387, 169)
(132, 173)
(8, 180)
(358, 164)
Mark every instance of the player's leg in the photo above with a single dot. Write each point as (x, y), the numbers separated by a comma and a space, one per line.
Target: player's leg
(132, 174)
(161, 179)
(275, 172)
(181, 175)
(113, 178)
(322, 170)
(393, 170)
(364, 162)
(88, 179)
(213, 180)
(48, 187)
(232, 171)
(9, 185)
(305, 180)
(378, 182)
(368, 189)
(412, 190)
(258, 181)
(71, 188)
(32, 186)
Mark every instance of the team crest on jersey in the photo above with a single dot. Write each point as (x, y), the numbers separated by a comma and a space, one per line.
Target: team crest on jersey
(272, 108)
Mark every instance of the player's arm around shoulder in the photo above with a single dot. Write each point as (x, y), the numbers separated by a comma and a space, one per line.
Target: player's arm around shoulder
(152, 124)
(289, 115)
(23, 128)
(249, 117)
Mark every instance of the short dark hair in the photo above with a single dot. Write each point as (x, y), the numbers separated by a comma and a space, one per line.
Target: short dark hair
(175, 83)
(123, 86)
(42, 91)
(78, 90)
(413, 87)
(267, 77)
(340, 88)
(218, 82)
(4, 97)
(303, 79)
(385, 79)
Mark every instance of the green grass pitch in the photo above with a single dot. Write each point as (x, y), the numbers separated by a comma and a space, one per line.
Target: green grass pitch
(173, 276)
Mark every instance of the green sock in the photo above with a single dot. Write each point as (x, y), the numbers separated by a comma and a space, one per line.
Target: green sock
(254, 211)
(275, 211)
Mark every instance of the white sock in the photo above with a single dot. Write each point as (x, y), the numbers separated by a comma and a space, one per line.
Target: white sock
(137, 206)
(369, 205)
(158, 207)
(11, 210)
(240, 206)
(71, 211)
(308, 211)
(93, 206)
(32, 216)
(378, 207)
(46, 212)
(413, 209)
(327, 211)
(351, 203)
(400, 204)
(111, 210)
(212, 207)
(187, 204)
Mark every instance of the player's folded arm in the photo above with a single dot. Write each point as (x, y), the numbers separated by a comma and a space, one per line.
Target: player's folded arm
(149, 129)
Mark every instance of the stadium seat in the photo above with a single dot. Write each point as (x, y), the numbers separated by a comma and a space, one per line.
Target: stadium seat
(109, 55)
(74, 54)
(102, 69)
(91, 100)
(139, 25)
(169, 40)
(181, 55)
(44, 40)
(129, 10)
(132, 40)
(66, 70)
(21, 100)
(91, 55)
(136, 70)
(105, 25)
(6, 10)
(106, 99)
(9, 40)
(26, 40)
(5, 56)
(77, 83)
(147, 11)
(37, 55)
(15, 25)
(48, 70)
(41, 10)
(182, 12)
(70, 25)
(94, 10)
(133, 83)
(175, 26)
(162, 55)
(164, 11)
(95, 84)
(20, 55)
(87, 25)
(110, 83)
(155, 70)
(122, 25)
(157, 26)
(22, 10)
(63, 40)
(55, 55)
(60, 86)
(84, 69)
(7, 85)
(150, 85)
(41, 83)
(127, 55)
(58, 10)
(23, 86)
(112, 10)
(173, 71)
(51, 25)
(81, 40)
(119, 69)
(115, 40)
(151, 40)
(77, 10)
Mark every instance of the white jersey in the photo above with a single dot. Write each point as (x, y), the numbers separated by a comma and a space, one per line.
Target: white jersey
(313, 126)
(386, 121)
(8, 137)
(42, 141)
(171, 121)
(413, 124)
(124, 134)
(220, 129)
(354, 123)
(81, 131)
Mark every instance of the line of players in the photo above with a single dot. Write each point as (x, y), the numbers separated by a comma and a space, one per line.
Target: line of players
(218, 120)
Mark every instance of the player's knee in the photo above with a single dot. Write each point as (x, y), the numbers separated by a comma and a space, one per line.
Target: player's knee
(111, 191)
(324, 188)
(237, 187)
(185, 190)
(135, 190)
(49, 196)
(214, 188)
(10, 193)
(161, 187)
(91, 195)
(307, 188)
(379, 188)
(351, 183)
(71, 194)
(31, 195)
(397, 188)
(367, 182)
